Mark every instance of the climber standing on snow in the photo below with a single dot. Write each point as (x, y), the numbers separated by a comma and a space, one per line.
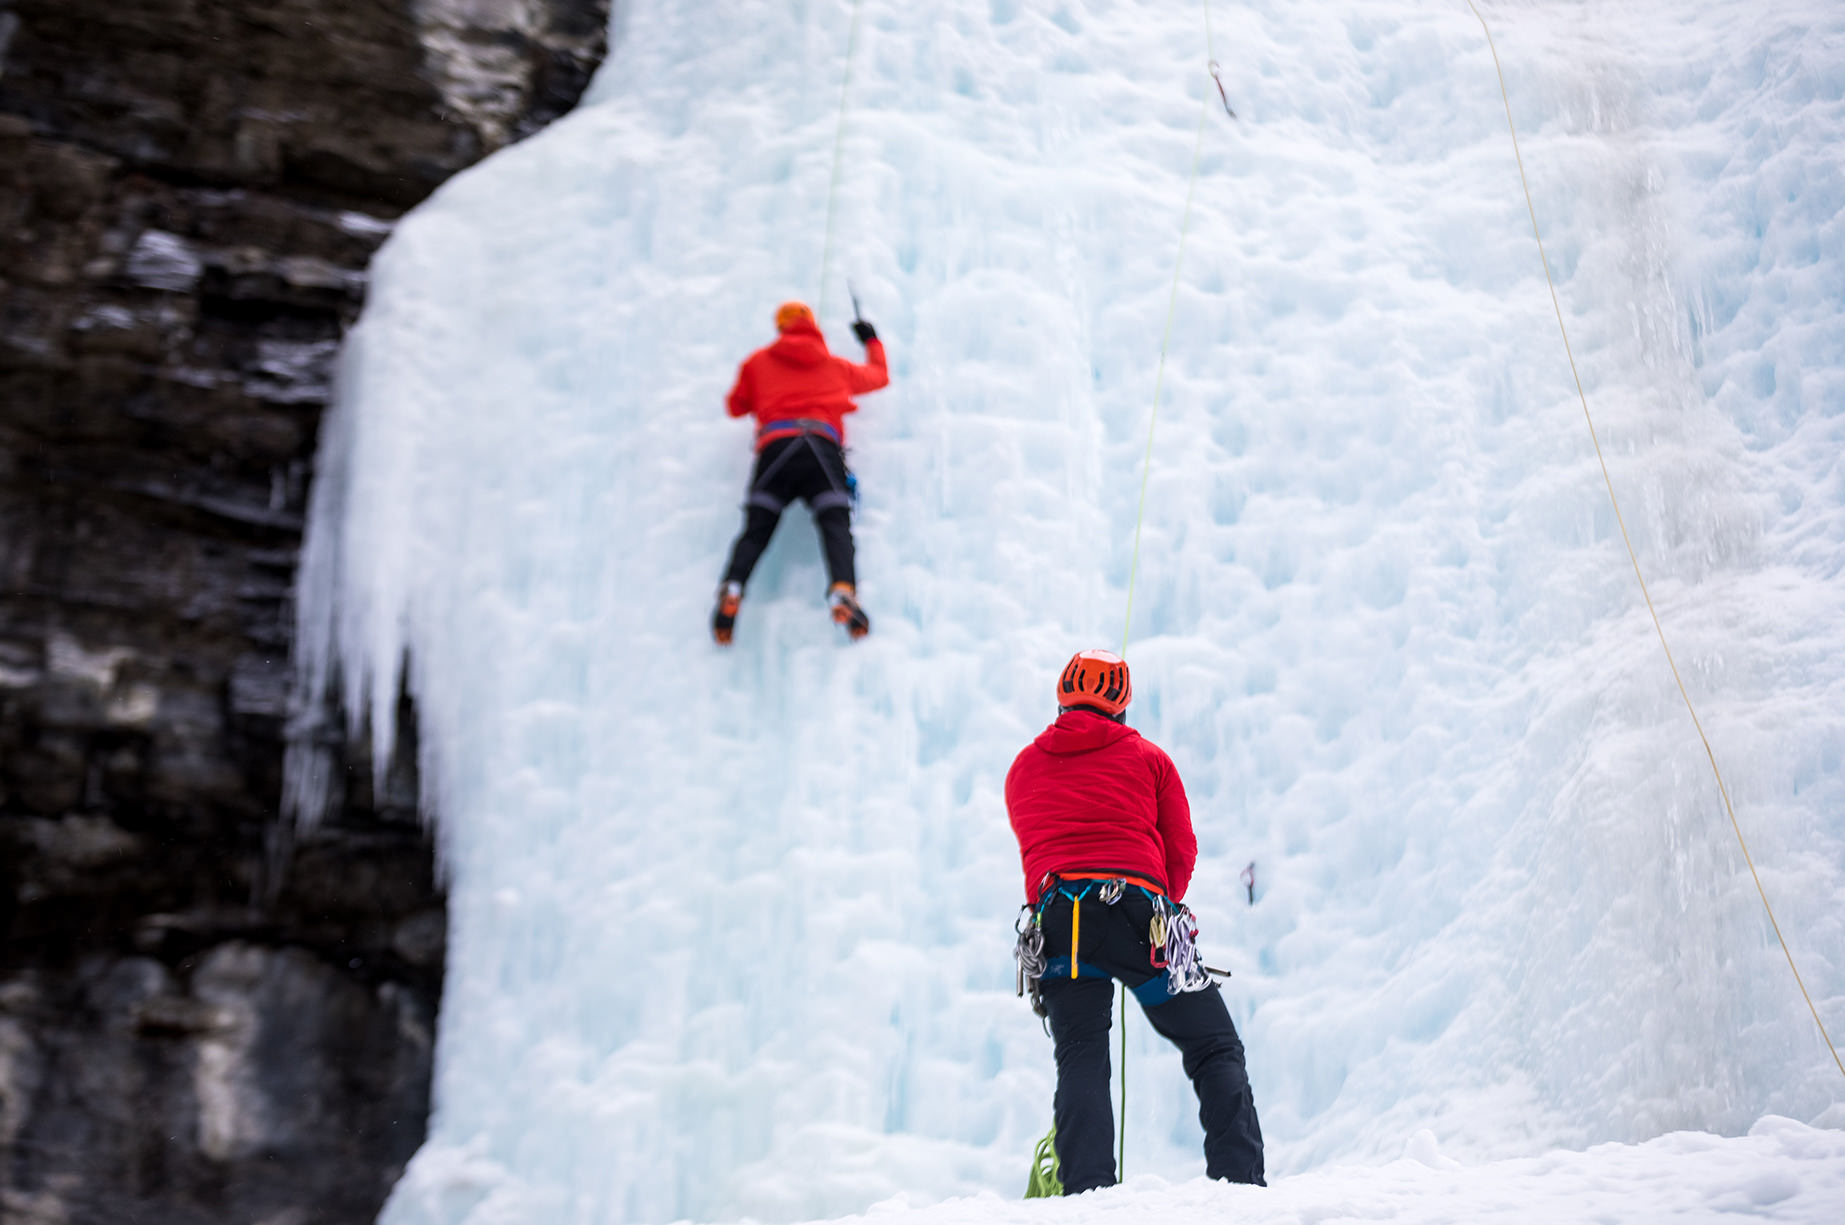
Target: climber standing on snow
(799, 394)
(1106, 838)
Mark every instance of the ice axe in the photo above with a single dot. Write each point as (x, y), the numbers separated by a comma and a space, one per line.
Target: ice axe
(857, 316)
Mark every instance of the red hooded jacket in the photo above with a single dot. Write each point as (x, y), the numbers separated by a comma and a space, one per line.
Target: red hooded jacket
(797, 379)
(1089, 795)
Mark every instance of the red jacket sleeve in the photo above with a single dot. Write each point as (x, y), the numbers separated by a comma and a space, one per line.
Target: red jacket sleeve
(742, 401)
(1175, 827)
(870, 376)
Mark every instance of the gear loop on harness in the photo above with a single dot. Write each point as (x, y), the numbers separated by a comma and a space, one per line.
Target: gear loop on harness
(1029, 953)
(1185, 969)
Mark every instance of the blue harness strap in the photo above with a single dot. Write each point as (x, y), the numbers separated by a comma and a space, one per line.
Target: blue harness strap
(1151, 994)
(1059, 967)
(1154, 992)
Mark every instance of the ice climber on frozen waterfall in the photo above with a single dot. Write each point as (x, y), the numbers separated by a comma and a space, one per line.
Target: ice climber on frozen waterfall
(799, 394)
(1106, 838)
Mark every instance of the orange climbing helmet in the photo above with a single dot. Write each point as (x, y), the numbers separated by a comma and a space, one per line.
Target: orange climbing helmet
(788, 314)
(1098, 679)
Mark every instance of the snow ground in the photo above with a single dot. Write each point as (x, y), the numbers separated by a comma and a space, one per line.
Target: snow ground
(1782, 1171)
(730, 931)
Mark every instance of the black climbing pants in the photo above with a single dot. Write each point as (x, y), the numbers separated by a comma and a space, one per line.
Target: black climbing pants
(1115, 943)
(812, 468)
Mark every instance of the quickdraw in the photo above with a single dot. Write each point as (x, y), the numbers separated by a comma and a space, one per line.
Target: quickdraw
(1175, 934)
(1029, 953)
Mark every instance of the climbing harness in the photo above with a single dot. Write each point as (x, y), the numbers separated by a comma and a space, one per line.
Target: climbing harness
(1171, 936)
(842, 494)
(1634, 557)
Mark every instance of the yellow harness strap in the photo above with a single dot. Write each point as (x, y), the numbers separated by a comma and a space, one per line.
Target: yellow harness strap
(1076, 927)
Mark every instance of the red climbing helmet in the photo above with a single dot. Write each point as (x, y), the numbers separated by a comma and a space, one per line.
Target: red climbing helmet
(1098, 679)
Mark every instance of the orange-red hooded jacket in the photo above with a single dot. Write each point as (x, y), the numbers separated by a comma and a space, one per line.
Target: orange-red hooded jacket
(795, 383)
(1089, 795)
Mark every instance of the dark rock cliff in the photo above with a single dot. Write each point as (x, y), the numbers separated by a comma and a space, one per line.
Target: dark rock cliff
(191, 191)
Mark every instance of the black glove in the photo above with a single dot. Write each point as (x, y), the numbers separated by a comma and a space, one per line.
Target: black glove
(864, 331)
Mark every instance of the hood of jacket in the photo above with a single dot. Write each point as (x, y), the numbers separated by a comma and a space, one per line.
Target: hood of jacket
(801, 345)
(1081, 731)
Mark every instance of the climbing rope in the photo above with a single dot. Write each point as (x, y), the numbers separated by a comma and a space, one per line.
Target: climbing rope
(839, 141)
(1146, 465)
(1159, 378)
(1632, 556)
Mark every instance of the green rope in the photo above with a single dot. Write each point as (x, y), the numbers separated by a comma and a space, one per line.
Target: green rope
(1121, 1135)
(1159, 379)
(1146, 471)
(1040, 1182)
(1046, 1179)
(839, 140)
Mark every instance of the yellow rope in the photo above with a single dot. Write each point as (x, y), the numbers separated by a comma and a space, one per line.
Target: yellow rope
(1634, 557)
(839, 140)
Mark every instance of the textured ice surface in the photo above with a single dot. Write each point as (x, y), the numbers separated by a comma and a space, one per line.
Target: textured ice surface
(731, 929)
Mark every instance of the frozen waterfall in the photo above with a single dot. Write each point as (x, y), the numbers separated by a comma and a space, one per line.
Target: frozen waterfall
(731, 929)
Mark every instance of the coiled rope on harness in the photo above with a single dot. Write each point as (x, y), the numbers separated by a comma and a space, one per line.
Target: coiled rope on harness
(1634, 557)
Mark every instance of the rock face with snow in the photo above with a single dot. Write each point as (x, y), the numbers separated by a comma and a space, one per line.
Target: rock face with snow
(192, 191)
